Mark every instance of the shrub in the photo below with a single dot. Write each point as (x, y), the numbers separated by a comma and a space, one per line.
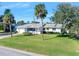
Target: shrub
(72, 35)
(1, 27)
(52, 33)
(27, 34)
(15, 32)
(76, 36)
(60, 35)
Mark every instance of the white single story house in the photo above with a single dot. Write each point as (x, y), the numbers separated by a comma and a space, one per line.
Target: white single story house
(52, 27)
(34, 28)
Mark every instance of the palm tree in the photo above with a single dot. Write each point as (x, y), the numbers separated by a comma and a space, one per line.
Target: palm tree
(40, 12)
(7, 20)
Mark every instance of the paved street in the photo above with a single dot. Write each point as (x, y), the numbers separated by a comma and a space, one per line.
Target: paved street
(5, 51)
(8, 52)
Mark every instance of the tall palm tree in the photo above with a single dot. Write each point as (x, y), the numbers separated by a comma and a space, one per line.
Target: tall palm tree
(7, 20)
(40, 12)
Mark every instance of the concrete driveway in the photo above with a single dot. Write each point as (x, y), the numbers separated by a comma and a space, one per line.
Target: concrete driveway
(5, 35)
(2, 33)
(6, 51)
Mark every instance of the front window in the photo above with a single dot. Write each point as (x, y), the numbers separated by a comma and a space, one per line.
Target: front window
(54, 28)
(30, 29)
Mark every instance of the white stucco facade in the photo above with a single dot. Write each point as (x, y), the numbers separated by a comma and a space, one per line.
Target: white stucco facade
(52, 27)
(53, 30)
(37, 28)
(31, 28)
(20, 30)
(37, 31)
(25, 30)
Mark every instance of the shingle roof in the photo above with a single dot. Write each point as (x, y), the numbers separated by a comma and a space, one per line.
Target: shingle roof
(37, 25)
(53, 25)
(31, 25)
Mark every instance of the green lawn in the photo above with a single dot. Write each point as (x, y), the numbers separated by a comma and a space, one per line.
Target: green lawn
(1, 30)
(53, 45)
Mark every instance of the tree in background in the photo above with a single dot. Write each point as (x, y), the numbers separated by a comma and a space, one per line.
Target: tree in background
(75, 28)
(8, 20)
(20, 22)
(1, 24)
(40, 12)
(28, 22)
(68, 16)
(1, 18)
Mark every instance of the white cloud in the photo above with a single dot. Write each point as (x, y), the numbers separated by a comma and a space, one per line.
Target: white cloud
(25, 5)
(16, 5)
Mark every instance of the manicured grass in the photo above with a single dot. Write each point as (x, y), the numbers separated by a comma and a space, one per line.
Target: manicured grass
(1, 30)
(52, 45)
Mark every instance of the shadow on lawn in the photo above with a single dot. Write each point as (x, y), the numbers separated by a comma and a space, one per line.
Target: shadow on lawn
(49, 38)
(59, 36)
(63, 35)
(74, 37)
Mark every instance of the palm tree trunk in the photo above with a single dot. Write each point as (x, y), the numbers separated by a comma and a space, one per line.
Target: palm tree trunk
(4, 27)
(42, 29)
(10, 30)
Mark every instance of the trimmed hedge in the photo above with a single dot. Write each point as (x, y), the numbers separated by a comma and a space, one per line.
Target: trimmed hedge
(27, 34)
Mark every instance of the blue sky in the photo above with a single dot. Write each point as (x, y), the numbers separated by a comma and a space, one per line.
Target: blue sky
(25, 10)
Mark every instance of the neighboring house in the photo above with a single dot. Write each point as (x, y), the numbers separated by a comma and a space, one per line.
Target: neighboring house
(52, 27)
(34, 28)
